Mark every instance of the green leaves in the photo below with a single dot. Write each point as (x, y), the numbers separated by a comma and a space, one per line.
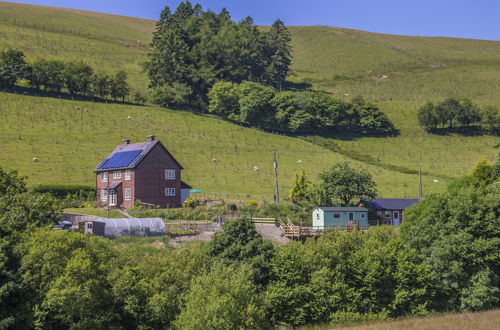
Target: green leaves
(13, 67)
(224, 298)
(201, 48)
(344, 186)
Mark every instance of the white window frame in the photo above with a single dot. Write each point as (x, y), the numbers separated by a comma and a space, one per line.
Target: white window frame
(170, 174)
(117, 174)
(104, 195)
(337, 215)
(388, 214)
(395, 215)
(169, 191)
(104, 176)
(128, 194)
(128, 174)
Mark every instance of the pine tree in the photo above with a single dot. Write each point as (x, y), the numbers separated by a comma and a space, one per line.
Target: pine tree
(300, 187)
(279, 39)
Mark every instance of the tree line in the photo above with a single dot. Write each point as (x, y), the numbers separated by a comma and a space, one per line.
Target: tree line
(77, 78)
(453, 113)
(295, 112)
(444, 259)
(195, 48)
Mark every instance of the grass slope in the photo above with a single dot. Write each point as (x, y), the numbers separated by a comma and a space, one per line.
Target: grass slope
(70, 138)
(70, 142)
(463, 321)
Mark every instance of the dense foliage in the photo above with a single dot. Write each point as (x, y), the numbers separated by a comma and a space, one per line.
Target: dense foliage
(445, 259)
(453, 113)
(77, 78)
(193, 49)
(254, 104)
(343, 185)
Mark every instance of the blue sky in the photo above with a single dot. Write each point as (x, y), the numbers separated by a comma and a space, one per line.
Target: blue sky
(479, 19)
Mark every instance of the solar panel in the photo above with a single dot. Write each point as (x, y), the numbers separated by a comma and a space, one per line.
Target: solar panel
(121, 159)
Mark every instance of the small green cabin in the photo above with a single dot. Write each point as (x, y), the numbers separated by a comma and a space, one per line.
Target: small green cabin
(342, 217)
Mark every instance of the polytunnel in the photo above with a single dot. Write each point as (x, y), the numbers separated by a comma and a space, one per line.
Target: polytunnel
(117, 227)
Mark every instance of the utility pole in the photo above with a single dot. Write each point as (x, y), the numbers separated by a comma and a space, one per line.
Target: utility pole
(276, 191)
(420, 190)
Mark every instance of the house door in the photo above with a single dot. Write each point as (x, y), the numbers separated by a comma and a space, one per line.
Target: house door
(351, 216)
(112, 197)
(395, 218)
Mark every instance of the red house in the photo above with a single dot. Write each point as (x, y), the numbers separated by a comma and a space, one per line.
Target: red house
(144, 172)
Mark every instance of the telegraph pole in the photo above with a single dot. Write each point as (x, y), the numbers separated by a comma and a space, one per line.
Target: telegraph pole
(420, 190)
(276, 191)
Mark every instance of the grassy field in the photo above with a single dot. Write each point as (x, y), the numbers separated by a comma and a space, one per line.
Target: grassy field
(489, 320)
(70, 138)
(70, 141)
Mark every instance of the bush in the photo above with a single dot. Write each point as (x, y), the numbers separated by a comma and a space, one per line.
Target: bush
(62, 191)
(190, 203)
(173, 95)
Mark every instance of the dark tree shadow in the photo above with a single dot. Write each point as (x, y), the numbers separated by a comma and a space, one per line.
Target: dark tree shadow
(463, 131)
(28, 91)
(296, 86)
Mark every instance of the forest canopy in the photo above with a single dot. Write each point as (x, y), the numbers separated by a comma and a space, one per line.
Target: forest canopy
(193, 49)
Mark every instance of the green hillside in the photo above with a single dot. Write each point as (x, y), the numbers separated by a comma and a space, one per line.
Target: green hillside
(70, 141)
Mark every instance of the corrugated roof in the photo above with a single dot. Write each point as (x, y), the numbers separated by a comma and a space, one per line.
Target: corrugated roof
(392, 203)
(343, 209)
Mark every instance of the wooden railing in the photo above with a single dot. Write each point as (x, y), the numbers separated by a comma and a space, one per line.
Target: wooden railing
(262, 221)
(293, 231)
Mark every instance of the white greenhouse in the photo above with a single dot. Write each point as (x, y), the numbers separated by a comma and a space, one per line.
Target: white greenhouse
(117, 227)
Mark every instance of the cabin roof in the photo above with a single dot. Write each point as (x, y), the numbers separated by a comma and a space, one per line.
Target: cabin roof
(343, 209)
(392, 203)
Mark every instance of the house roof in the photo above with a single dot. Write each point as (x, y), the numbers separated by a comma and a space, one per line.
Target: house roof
(113, 184)
(392, 203)
(130, 155)
(343, 209)
(184, 185)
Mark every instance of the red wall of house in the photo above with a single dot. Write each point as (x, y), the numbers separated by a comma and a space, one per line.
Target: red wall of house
(150, 180)
(120, 190)
(147, 181)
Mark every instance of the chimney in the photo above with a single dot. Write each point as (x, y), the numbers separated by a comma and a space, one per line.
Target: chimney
(151, 138)
(125, 142)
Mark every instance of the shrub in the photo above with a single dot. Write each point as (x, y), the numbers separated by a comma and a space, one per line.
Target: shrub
(63, 191)
(190, 203)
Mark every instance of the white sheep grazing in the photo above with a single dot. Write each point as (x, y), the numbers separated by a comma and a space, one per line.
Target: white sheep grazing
(436, 181)
(299, 161)
(256, 168)
(129, 117)
(35, 159)
(214, 160)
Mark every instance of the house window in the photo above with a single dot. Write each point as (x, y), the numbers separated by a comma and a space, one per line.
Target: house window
(104, 195)
(128, 174)
(362, 215)
(387, 214)
(169, 191)
(317, 216)
(128, 194)
(117, 174)
(169, 174)
(336, 215)
(104, 177)
(379, 212)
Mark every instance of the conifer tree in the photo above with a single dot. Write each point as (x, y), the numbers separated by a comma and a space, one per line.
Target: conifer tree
(279, 39)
